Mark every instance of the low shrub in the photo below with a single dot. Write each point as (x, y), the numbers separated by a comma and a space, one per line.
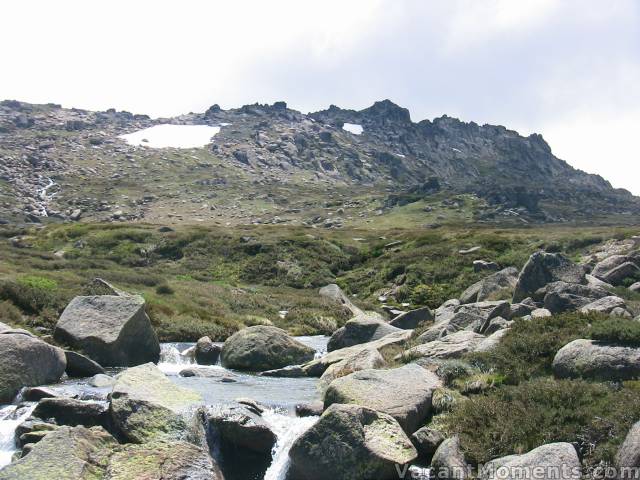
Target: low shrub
(617, 331)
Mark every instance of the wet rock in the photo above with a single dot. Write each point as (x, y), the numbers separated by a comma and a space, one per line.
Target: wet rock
(207, 353)
(263, 348)
(352, 443)
(102, 381)
(293, 371)
(27, 361)
(313, 409)
(112, 330)
(221, 375)
(34, 394)
(72, 412)
(239, 427)
(404, 393)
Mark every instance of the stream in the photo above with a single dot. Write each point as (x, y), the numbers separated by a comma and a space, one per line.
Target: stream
(280, 395)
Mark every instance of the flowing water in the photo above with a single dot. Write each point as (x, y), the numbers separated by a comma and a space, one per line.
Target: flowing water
(218, 386)
(10, 417)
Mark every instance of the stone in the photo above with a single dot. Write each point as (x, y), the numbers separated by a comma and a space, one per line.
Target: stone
(292, 371)
(590, 359)
(240, 427)
(543, 268)
(350, 442)
(366, 359)
(313, 409)
(541, 313)
(146, 405)
(261, 348)
(80, 366)
(207, 353)
(102, 381)
(562, 297)
(448, 462)
(635, 287)
(496, 324)
(411, 319)
(334, 293)
(26, 361)
(492, 341)
(483, 265)
(557, 460)
(361, 329)
(427, 440)
(604, 305)
(597, 283)
(67, 453)
(497, 285)
(72, 412)
(113, 330)
(454, 345)
(35, 394)
(404, 393)
(317, 367)
(628, 455)
(616, 268)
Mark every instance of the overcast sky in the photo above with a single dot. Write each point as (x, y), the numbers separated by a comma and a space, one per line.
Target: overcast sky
(568, 69)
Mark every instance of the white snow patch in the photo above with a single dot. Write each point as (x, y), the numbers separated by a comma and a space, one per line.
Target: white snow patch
(353, 128)
(176, 136)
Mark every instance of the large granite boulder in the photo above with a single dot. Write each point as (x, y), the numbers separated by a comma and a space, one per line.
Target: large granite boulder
(318, 366)
(351, 442)
(451, 346)
(628, 455)
(448, 462)
(67, 453)
(239, 427)
(495, 286)
(562, 296)
(367, 359)
(26, 361)
(79, 366)
(146, 405)
(334, 293)
(263, 348)
(617, 268)
(207, 352)
(554, 460)
(176, 460)
(361, 329)
(113, 330)
(411, 319)
(592, 359)
(605, 305)
(543, 268)
(73, 412)
(404, 393)
(474, 317)
(427, 440)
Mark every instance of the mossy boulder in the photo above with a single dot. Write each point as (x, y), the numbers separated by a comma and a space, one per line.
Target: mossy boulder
(262, 347)
(146, 405)
(351, 442)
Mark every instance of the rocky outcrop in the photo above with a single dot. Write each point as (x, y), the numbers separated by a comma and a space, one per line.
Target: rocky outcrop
(404, 393)
(606, 305)
(207, 352)
(628, 455)
(112, 330)
(238, 427)
(450, 346)
(146, 405)
(362, 329)
(617, 268)
(334, 293)
(411, 319)
(27, 361)
(497, 285)
(262, 348)
(474, 317)
(427, 440)
(562, 296)
(591, 359)
(351, 442)
(543, 268)
(558, 460)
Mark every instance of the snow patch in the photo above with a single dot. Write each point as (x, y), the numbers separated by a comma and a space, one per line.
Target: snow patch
(353, 128)
(175, 136)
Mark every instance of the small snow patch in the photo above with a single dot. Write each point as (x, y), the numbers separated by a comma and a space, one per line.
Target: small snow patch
(353, 128)
(176, 136)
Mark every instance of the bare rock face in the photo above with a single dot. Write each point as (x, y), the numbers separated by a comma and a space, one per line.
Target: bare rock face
(616, 268)
(361, 329)
(404, 393)
(411, 319)
(543, 268)
(334, 292)
(27, 361)
(263, 348)
(351, 442)
(113, 330)
(590, 359)
(498, 284)
(448, 461)
(628, 455)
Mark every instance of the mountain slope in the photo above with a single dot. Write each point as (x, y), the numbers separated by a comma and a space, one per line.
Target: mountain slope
(271, 164)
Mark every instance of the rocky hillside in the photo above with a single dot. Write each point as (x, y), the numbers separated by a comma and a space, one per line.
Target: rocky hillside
(271, 164)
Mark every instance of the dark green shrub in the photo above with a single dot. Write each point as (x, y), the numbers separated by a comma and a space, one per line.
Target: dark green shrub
(516, 419)
(164, 289)
(617, 331)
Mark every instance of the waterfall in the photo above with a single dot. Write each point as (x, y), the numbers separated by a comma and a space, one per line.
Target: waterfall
(287, 428)
(173, 360)
(10, 417)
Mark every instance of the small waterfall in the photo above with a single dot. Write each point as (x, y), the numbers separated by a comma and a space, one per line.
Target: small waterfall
(288, 428)
(10, 417)
(173, 360)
